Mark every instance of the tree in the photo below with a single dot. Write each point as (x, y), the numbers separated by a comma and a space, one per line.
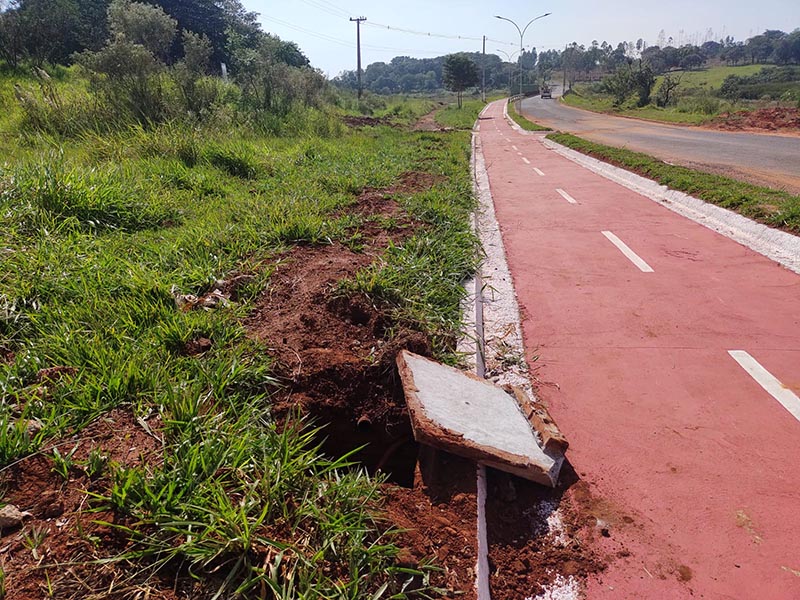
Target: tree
(643, 80)
(692, 61)
(50, 29)
(666, 92)
(11, 36)
(460, 72)
(143, 24)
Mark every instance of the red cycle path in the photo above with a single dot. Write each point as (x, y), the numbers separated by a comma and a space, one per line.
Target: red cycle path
(697, 465)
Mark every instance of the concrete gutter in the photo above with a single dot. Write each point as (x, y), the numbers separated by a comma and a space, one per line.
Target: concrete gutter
(516, 126)
(775, 244)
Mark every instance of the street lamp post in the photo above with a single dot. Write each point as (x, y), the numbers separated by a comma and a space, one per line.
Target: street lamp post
(521, 36)
(510, 58)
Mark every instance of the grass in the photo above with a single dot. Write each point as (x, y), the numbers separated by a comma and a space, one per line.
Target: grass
(102, 231)
(523, 122)
(460, 118)
(775, 208)
(712, 78)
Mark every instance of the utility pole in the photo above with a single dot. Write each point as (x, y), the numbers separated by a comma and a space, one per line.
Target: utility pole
(483, 80)
(358, 21)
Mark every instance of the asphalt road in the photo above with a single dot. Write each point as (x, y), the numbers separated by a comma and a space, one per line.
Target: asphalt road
(669, 355)
(772, 160)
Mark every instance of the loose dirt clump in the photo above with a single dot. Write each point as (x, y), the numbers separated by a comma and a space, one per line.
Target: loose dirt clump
(368, 121)
(764, 119)
(7, 355)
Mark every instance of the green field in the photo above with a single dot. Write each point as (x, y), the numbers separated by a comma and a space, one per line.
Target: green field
(696, 103)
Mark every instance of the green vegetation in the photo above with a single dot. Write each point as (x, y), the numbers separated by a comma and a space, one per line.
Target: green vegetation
(522, 121)
(771, 207)
(128, 191)
(458, 73)
(103, 231)
(460, 118)
(697, 96)
(770, 82)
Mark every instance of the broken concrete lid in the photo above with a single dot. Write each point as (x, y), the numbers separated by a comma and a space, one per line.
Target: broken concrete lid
(473, 418)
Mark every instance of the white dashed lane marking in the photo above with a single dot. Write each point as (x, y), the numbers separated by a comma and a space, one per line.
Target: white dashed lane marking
(768, 381)
(566, 196)
(630, 254)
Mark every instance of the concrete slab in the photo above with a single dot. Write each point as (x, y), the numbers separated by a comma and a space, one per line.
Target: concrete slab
(473, 418)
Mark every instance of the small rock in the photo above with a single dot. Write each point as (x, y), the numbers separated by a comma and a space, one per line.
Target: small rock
(33, 426)
(11, 517)
(54, 510)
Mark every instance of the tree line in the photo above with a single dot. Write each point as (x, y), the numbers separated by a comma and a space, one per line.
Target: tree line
(152, 62)
(578, 62)
(40, 32)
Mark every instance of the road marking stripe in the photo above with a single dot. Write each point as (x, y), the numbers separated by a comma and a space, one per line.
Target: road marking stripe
(515, 148)
(632, 256)
(526, 161)
(538, 171)
(768, 381)
(566, 196)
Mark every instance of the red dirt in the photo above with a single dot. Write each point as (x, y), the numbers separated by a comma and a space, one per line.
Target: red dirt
(58, 512)
(763, 119)
(428, 122)
(368, 121)
(7, 355)
(438, 518)
(525, 554)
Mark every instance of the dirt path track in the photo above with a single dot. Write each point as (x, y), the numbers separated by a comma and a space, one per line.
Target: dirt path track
(696, 464)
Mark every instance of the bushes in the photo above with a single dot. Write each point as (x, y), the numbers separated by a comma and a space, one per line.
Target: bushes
(771, 82)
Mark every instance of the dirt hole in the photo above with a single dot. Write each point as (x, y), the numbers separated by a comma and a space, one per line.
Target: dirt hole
(335, 359)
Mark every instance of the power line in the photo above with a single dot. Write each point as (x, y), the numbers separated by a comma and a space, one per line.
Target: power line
(341, 42)
(436, 35)
(335, 11)
(315, 34)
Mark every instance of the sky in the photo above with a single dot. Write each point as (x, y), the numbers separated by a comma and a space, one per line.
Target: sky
(325, 34)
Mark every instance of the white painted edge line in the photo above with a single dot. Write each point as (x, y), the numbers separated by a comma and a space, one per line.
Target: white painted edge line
(538, 172)
(768, 381)
(566, 196)
(502, 321)
(482, 578)
(514, 125)
(630, 254)
(470, 346)
(515, 148)
(777, 245)
(526, 161)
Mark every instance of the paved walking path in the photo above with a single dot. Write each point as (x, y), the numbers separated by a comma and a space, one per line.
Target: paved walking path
(665, 354)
